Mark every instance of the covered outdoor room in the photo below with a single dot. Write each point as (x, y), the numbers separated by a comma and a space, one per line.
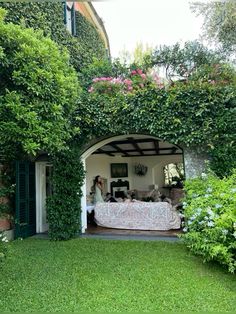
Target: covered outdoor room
(136, 170)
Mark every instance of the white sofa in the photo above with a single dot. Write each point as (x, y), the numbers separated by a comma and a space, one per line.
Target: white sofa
(137, 215)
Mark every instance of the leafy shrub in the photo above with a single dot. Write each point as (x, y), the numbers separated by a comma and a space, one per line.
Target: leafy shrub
(38, 91)
(64, 206)
(210, 218)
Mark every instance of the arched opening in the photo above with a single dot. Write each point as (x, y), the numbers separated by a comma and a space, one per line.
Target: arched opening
(139, 159)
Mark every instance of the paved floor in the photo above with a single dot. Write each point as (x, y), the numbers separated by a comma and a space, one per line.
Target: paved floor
(123, 234)
(97, 232)
(130, 237)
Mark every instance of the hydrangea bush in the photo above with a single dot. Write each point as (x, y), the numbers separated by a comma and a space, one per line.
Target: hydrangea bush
(210, 218)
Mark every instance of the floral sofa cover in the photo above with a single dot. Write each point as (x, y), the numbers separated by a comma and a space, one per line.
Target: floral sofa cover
(137, 215)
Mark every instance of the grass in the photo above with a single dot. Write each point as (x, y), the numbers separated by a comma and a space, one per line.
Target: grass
(111, 276)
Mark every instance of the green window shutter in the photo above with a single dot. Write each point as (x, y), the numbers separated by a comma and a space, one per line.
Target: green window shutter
(25, 225)
(73, 20)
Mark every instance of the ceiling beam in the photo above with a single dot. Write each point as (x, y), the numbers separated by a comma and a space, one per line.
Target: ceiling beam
(157, 146)
(135, 150)
(105, 152)
(141, 140)
(174, 149)
(135, 145)
(165, 154)
(118, 149)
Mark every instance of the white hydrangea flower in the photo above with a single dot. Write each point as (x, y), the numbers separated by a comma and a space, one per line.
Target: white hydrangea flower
(209, 190)
(209, 211)
(207, 195)
(225, 231)
(233, 190)
(218, 206)
(198, 210)
(234, 225)
(204, 175)
(4, 239)
(185, 229)
(234, 234)
(210, 224)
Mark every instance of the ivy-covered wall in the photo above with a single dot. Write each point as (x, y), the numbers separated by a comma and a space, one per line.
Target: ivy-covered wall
(198, 113)
(49, 17)
(63, 208)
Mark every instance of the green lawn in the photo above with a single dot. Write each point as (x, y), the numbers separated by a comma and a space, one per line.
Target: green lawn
(103, 275)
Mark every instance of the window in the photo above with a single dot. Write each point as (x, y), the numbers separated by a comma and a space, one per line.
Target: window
(174, 173)
(69, 18)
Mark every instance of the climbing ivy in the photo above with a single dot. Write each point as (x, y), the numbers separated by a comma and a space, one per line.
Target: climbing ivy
(197, 112)
(89, 40)
(63, 207)
(186, 114)
(49, 17)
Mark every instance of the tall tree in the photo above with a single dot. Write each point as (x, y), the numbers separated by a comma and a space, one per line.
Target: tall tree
(219, 25)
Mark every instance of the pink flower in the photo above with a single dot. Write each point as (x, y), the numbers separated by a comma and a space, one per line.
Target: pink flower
(130, 88)
(141, 85)
(133, 72)
(139, 71)
(143, 76)
(127, 81)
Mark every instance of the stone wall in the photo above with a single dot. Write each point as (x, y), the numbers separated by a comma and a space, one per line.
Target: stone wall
(195, 161)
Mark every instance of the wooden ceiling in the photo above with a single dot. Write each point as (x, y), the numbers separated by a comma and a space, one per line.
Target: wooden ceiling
(139, 147)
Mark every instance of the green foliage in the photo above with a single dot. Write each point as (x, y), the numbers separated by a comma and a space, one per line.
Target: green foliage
(102, 68)
(137, 58)
(63, 207)
(210, 218)
(89, 40)
(7, 189)
(184, 113)
(182, 62)
(49, 17)
(219, 22)
(198, 111)
(223, 156)
(38, 91)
